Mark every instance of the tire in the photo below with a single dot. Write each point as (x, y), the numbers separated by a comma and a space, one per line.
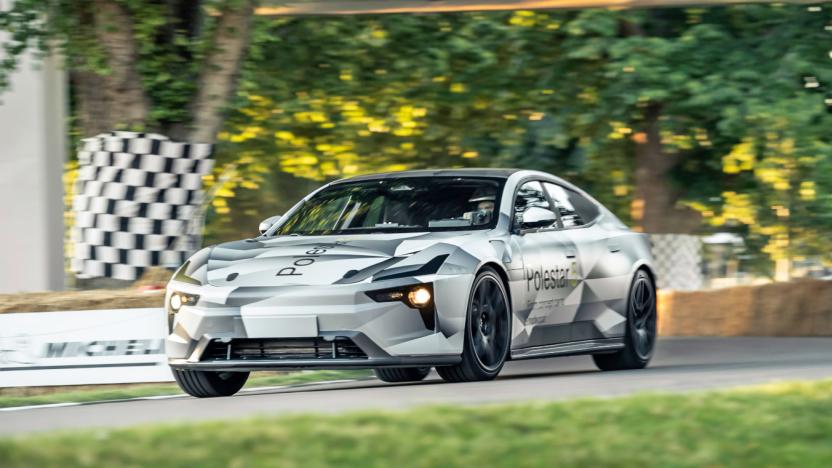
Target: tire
(207, 384)
(487, 331)
(640, 334)
(402, 374)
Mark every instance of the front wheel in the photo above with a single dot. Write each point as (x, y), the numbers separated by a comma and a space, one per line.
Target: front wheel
(208, 384)
(402, 374)
(640, 335)
(487, 332)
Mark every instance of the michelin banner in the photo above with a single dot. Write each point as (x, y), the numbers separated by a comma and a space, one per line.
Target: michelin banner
(84, 347)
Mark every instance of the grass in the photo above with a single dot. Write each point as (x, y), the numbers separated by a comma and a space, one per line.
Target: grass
(16, 397)
(775, 425)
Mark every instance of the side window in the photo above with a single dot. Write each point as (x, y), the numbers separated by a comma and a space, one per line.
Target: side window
(530, 194)
(575, 209)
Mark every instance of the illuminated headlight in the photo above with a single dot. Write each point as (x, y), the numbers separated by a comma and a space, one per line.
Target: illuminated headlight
(178, 299)
(417, 296)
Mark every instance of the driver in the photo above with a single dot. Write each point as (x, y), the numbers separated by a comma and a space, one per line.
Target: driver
(484, 210)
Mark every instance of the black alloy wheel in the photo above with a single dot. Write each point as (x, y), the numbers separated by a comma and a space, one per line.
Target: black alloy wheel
(487, 334)
(643, 322)
(641, 332)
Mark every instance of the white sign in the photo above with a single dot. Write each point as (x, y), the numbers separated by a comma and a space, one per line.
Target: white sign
(84, 347)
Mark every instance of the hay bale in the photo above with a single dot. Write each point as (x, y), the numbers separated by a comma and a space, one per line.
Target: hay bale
(80, 300)
(796, 308)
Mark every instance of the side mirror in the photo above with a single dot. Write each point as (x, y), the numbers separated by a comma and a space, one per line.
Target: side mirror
(536, 217)
(267, 223)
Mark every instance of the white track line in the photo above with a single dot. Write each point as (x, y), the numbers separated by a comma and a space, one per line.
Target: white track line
(168, 397)
(48, 405)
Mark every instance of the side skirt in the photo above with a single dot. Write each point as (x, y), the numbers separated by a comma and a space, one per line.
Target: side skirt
(565, 349)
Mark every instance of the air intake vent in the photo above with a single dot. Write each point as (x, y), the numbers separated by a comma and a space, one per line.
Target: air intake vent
(250, 349)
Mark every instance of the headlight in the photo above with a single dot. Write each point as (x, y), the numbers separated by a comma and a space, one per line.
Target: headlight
(417, 296)
(179, 299)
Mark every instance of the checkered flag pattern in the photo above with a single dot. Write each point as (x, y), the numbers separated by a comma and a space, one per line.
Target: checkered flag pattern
(678, 261)
(137, 196)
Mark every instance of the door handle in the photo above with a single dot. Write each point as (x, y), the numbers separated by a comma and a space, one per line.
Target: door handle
(571, 253)
(614, 247)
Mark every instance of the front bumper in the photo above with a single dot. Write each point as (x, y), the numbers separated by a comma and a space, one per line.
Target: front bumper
(245, 320)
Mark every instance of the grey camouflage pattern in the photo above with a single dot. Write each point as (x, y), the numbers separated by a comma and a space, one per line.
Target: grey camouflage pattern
(567, 287)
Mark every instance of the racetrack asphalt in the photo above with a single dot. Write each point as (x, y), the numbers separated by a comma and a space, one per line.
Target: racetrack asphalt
(679, 365)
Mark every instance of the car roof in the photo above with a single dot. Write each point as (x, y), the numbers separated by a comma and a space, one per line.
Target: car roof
(467, 172)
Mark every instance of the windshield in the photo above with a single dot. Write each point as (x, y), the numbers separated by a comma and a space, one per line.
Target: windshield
(400, 205)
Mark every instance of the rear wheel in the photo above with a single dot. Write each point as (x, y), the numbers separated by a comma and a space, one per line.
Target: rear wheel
(640, 335)
(402, 374)
(207, 384)
(487, 332)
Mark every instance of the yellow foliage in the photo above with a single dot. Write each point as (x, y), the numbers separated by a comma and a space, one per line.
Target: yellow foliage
(736, 207)
(777, 177)
(225, 192)
(741, 158)
(807, 190)
(378, 126)
(301, 160)
(350, 169)
(522, 18)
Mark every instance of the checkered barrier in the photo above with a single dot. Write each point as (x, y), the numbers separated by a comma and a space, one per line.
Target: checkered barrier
(678, 261)
(137, 196)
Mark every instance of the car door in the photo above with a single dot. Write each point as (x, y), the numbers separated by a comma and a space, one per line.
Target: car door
(598, 262)
(540, 300)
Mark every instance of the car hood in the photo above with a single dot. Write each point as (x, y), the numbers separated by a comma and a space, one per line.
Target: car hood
(321, 260)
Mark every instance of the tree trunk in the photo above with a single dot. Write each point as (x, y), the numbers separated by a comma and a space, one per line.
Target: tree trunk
(654, 206)
(91, 105)
(219, 74)
(128, 104)
(115, 99)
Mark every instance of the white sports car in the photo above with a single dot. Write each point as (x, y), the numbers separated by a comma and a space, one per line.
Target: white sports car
(459, 269)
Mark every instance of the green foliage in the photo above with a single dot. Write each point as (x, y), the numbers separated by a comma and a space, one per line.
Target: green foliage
(560, 91)
(777, 425)
(742, 94)
(171, 38)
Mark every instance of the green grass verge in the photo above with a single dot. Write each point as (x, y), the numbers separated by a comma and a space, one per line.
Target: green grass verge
(144, 390)
(776, 425)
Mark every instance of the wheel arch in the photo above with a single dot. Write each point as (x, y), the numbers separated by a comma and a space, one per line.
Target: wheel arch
(502, 273)
(647, 268)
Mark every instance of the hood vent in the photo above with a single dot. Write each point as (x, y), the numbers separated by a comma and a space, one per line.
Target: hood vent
(428, 268)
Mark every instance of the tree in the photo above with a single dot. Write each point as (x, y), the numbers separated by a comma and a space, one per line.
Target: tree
(165, 66)
(647, 106)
